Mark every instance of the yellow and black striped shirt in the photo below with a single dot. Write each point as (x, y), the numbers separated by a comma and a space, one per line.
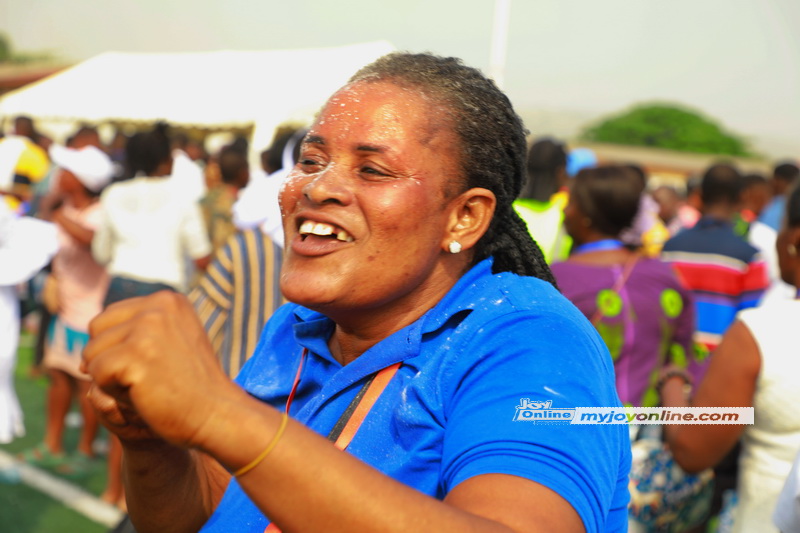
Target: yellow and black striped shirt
(237, 294)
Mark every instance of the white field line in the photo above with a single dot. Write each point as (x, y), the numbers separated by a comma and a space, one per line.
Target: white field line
(70, 495)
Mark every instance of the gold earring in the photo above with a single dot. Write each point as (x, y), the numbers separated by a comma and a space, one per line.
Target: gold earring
(455, 247)
(792, 250)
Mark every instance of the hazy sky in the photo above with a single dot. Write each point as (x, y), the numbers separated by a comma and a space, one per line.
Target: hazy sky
(736, 60)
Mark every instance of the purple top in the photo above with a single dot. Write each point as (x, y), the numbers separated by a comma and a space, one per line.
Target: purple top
(648, 322)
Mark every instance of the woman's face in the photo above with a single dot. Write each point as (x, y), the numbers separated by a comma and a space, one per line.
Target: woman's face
(67, 182)
(574, 219)
(366, 208)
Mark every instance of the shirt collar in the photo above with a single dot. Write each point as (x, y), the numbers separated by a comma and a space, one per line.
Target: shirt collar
(710, 222)
(461, 297)
(313, 329)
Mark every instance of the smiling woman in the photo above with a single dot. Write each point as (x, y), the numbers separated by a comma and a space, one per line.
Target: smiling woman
(420, 307)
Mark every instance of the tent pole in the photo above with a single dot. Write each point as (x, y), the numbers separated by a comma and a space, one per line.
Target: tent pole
(497, 65)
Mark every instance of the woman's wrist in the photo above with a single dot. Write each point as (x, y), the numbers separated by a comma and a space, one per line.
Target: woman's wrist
(674, 386)
(237, 429)
(670, 373)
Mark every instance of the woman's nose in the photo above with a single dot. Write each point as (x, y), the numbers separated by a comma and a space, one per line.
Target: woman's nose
(330, 185)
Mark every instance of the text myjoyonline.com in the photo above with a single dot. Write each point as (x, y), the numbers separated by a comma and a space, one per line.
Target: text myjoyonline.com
(663, 415)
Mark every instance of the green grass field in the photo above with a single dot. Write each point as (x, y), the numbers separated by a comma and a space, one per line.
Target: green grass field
(23, 509)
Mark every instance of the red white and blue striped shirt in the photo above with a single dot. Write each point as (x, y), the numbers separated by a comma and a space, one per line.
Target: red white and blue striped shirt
(725, 274)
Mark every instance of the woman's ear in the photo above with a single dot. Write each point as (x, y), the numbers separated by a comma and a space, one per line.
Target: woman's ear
(471, 213)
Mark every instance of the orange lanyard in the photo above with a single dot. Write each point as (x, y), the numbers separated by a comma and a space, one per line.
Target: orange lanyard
(347, 426)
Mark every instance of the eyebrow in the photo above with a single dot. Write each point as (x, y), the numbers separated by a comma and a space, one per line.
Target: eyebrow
(377, 148)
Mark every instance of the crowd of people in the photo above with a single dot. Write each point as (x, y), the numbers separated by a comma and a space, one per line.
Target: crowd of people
(403, 279)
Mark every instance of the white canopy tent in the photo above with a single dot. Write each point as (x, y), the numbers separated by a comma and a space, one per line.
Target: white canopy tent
(209, 90)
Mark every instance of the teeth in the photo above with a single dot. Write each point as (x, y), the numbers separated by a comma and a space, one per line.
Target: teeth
(318, 228)
(344, 236)
(322, 229)
(306, 227)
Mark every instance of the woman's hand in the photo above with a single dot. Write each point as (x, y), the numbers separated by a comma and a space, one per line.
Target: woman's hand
(674, 386)
(155, 372)
(120, 418)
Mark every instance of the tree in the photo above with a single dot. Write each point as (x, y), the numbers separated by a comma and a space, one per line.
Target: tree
(5, 48)
(8, 55)
(667, 126)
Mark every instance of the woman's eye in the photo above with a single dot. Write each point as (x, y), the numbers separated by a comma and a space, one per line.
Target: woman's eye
(373, 171)
(307, 162)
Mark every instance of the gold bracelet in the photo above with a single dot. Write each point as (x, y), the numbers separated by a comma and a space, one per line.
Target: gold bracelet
(248, 467)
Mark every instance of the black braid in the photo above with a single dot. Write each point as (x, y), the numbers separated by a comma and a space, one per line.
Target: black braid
(493, 148)
(511, 245)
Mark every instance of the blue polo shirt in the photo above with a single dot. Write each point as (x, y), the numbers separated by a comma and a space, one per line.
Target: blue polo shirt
(449, 412)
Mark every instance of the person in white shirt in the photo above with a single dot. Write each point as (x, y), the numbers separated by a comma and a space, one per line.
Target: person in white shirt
(257, 206)
(147, 228)
(787, 512)
(26, 246)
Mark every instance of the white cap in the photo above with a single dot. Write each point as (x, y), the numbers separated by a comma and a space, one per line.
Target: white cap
(90, 165)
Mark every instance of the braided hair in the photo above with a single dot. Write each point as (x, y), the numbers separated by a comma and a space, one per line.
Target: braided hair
(493, 147)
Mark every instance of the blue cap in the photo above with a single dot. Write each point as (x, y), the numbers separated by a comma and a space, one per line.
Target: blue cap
(578, 159)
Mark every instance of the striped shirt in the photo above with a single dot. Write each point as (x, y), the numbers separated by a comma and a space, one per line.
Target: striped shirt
(237, 294)
(725, 275)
